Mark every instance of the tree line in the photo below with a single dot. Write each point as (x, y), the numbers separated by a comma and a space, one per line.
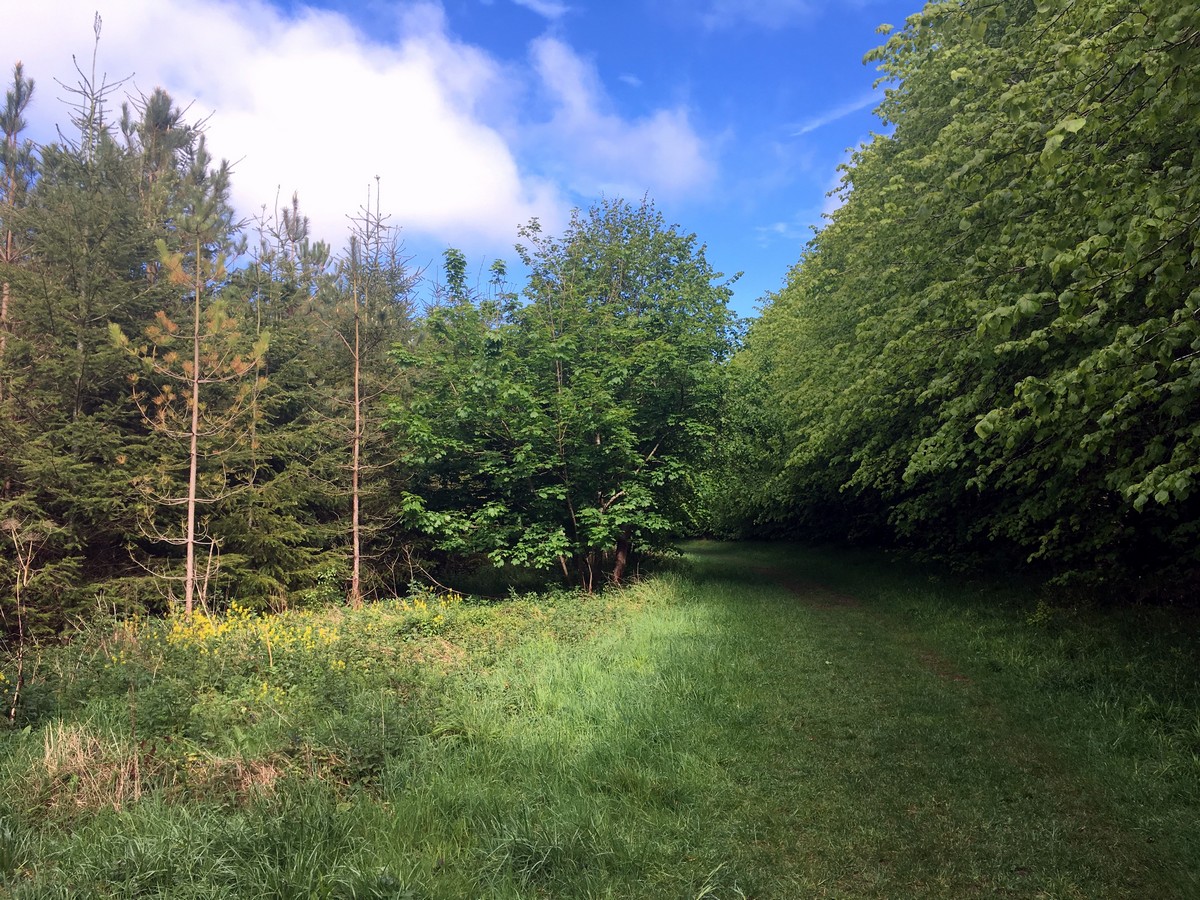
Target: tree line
(992, 351)
(194, 408)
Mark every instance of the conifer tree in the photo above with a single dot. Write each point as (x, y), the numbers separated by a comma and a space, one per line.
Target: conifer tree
(16, 157)
(67, 437)
(282, 531)
(372, 311)
(190, 366)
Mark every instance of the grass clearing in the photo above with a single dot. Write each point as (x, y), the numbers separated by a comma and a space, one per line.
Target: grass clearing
(769, 722)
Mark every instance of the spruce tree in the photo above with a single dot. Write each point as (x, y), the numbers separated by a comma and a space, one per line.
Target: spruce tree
(67, 436)
(282, 532)
(372, 310)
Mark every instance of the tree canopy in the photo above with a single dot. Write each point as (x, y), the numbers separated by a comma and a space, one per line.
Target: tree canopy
(994, 344)
(291, 429)
(570, 426)
(991, 352)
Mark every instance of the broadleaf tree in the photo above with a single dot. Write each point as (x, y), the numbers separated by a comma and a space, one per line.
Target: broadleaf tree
(993, 346)
(569, 427)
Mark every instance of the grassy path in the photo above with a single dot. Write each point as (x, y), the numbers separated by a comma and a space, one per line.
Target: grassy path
(882, 770)
(738, 731)
(748, 733)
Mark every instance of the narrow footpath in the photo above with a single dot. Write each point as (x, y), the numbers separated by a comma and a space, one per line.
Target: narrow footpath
(864, 763)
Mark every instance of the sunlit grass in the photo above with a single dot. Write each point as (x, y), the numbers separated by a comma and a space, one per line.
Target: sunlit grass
(771, 723)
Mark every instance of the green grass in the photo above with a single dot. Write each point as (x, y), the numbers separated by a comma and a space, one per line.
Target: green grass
(768, 722)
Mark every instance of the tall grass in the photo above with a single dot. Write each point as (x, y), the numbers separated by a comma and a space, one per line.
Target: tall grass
(767, 723)
(1093, 704)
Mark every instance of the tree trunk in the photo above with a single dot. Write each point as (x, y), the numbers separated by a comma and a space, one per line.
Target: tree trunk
(20, 673)
(189, 575)
(81, 358)
(621, 563)
(355, 466)
(586, 566)
(3, 330)
(9, 258)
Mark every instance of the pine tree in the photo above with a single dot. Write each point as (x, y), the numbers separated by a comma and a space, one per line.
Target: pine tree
(188, 403)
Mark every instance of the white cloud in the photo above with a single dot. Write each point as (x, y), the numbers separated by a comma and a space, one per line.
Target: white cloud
(307, 103)
(549, 9)
(660, 154)
(466, 147)
(833, 115)
(792, 232)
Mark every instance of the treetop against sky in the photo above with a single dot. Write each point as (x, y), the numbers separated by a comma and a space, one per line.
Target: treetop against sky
(477, 115)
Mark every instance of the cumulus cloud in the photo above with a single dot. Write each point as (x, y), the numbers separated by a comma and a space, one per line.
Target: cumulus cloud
(307, 103)
(304, 101)
(660, 153)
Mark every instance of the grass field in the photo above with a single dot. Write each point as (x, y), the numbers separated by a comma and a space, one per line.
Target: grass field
(765, 722)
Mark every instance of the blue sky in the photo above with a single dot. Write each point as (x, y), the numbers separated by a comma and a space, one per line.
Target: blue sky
(733, 115)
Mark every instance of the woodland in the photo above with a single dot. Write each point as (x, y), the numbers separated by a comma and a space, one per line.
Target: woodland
(990, 354)
(323, 576)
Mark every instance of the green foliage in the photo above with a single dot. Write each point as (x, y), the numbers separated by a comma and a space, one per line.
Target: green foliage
(64, 420)
(574, 425)
(280, 531)
(198, 367)
(993, 344)
(110, 252)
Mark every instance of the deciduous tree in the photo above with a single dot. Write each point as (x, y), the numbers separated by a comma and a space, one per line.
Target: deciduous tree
(992, 346)
(570, 428)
